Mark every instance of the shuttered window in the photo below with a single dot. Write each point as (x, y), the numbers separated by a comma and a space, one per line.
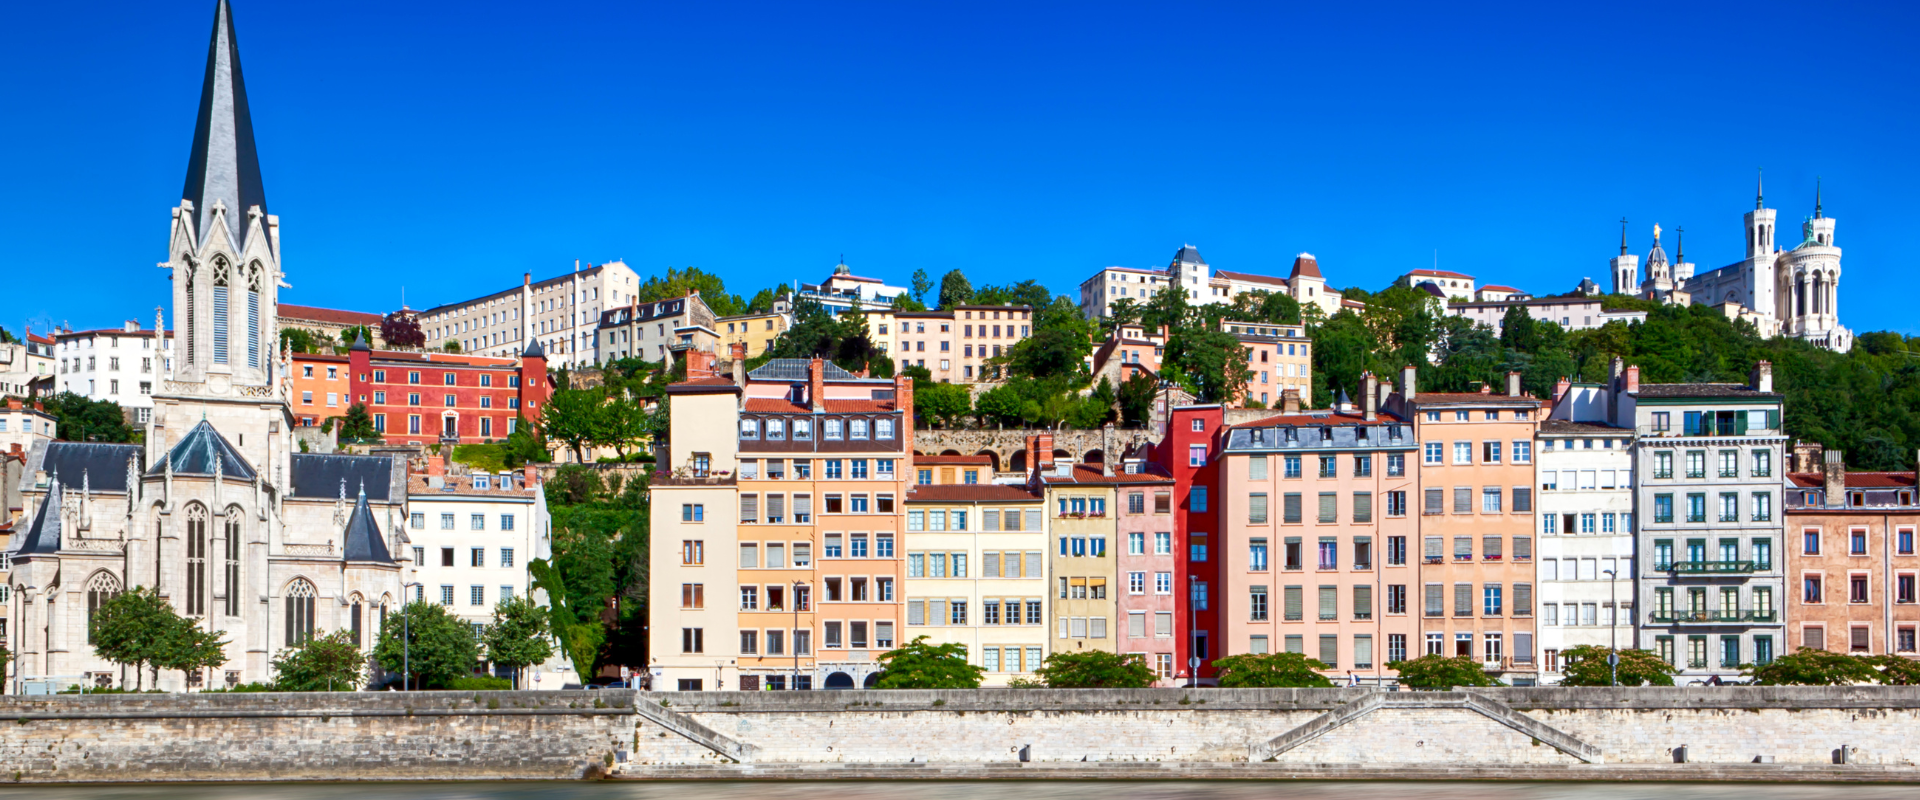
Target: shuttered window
(1363, 651)
(1522, 499)
(1033, 519)
(749, 508)
(1363, 602)
(1463, 548)
(1290, 507)
(1435, 500)
(1293, 610)
(1257, 509)
(1436, 600)
(1523, 599)
(1522, 548)
(1329, 507)
(1462, 499)
(1329, 602)
(1435, 548)
(1033, 564)
(1490, 547)
(1330, 650)
(1362, 506)
(1463, 599)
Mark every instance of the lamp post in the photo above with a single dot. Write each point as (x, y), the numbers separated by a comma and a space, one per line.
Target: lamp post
(406, 638)
(1613, 630)
(794, 635)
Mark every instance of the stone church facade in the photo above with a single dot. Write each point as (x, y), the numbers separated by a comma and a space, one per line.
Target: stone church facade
(217, 511)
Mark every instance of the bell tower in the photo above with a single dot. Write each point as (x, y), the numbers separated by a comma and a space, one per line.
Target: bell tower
(1625, 267)
(1760, 224)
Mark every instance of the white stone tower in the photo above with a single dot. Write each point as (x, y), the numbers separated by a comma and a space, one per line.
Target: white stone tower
(1625, 267)
(1808, 285)
(1760, 255)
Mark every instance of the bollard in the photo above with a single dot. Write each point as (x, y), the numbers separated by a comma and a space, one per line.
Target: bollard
(1680, 754)
(1026, 753)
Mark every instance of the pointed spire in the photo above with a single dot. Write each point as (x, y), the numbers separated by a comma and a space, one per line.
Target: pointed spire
(1680, 245)
(223, 167)
(1816, 199)
(1760, 190)
(1623, 236)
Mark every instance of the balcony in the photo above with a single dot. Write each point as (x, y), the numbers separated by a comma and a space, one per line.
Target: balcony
(1710, 617)
(1712, 567)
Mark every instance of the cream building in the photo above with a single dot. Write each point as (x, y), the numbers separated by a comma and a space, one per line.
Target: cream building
(954, 345)
(216, 512)
(976, 575)
(758, 331)
(563, 313)
(1204, 284)
(655, 331)
(1585, 528)
(123, 365)
(24, 363)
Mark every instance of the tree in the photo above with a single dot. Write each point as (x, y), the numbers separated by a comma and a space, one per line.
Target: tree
(82, 420)
(1212, 361)
(580, 639)
(1810, 667)
(353, 334)
(955, 290)
(921, 284)
(6, 657)
(451, 346)
(437, 646)
(573, 416)
(519, 636)
(1124, 311)
(304, 341)
(622, 421)
(1894, 670)
(1096, 669)
(1586, 665)
(1166, 307)
(188, 648)
(401, 330)
(711, 288)
(942, 404)
(1442, 673)
(6, 337)
(357, 426)
(918, 665)
(328, 662)
(907, 302)
(525, 445)
(131, 629)
(1136, 399)
(1271, 671)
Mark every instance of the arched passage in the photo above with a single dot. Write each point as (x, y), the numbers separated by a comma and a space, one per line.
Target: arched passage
(994, 458)
(839, 680)
(1018, 463)
(1094, 456)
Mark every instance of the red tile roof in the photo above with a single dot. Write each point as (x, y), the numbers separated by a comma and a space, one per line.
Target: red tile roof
(857, 406)
(1305, 265)
(1248, 277)
(1440, 273)
(1857, 480)
(970, 492)
(1498, 288)
(771, 405)
(952, 461)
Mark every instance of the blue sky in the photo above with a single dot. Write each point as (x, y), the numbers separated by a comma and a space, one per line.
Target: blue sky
(448, 147)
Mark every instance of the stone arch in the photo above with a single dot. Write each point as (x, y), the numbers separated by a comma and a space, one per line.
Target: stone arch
(839, 680)
(873, 680)
(301, 602)
(1061, 455)
(1094, 456)
(1018, 462)
(949, 452)
(993, 456)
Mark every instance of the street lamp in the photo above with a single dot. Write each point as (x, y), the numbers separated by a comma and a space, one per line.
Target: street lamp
(1613, 630)
(406, 637)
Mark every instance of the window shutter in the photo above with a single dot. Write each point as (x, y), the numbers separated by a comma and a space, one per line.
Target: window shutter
(1257, 508)
(1523, 647)
(1463, 547)
(1435, 547)
(1329, 506)
(1292, 506)
(749, 508)
(1436, 600)
(1522, 499)
(1330, 650)
(990, 565)
(1098, 627)
(1434, 499)
(1363, 651)
(1490, 547)
(1523, 599)
(1362, 506)
(1033, 519)
(1522, 547)
(1136, 624)
(916, 612)
(1293, 602)
(1033, 565)
(1462, 499)
(1463, 599)
(993, 519)
(1329, 602)
(1363, 602)
(936, 612)
(776, 506)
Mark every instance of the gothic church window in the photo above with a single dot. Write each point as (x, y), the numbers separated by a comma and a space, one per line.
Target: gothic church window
(196, 560)
(222, 277)
(100, 588)
(300, 608)
(233, 562)
(253, 315)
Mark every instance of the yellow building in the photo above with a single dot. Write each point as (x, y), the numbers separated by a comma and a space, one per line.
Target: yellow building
(976, 574)
(757, 331)
(953, 345)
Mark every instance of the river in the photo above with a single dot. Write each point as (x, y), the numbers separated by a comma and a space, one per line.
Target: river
(941, 790)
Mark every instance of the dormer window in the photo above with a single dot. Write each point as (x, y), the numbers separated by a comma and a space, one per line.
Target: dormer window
(833, 430)
(481, 482)
(775, 431)
(1293, 435)
(802, 430)
(859, 429)
(1259, 436)
(749, 429)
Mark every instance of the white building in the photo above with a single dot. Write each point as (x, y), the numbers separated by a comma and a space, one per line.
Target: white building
(121, 365)
(843, 290)
(25, 363)
(1573, 312)
(1794, 292)
(1204, 284)
(22, 425)
(1585, 511)
(472, 536)
(563, 313)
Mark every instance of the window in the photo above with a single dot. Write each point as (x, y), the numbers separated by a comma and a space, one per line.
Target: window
(1663, 464)
(693, 512)
(1663, 508)
(1696, 508)
(1490, 452)
(1522, 451)
(1462, 452)
(1196, 454)
(1433, 453)
(693, 552)
(1490, 500)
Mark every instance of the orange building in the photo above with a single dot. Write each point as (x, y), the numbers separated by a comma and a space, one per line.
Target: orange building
(1476, 523)
(322, 387)
(1851, 565)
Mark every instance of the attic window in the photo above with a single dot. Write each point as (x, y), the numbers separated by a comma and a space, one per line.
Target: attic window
(1259, 436)
(1856, 498)
(1293, 434)
(481, 482)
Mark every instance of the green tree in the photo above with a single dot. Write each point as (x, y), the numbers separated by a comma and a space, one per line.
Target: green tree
(304, 341)
(622, 422)
(579, 639)
(573, 416)
(328, 662)
(942, 405)
(524, 446)
(1441, 673)
(451, 346)
(680, 283)
(1894, 670)
(82, 420)
(438, 647)
(1586, 665)
(1810, 667)
(1123, 312)
(519, 636)
(353, 333)
(132, 628)
(6, 337)
(1095, 669)
(907, 302)
(1271, 671)
(357, 426)
(1136, 399)
(1212, 361)
(955, 290)
(921, 285)
(918, 665)
(1166, 307)
(188, 648)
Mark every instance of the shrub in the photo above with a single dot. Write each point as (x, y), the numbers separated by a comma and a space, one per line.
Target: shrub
(1440, 673)
(479, 683)
(1096, 669)
(1269, 671)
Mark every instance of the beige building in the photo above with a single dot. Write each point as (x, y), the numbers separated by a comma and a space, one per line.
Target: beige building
(757, 331)
(1205, 285)
(563, 313)
(26, 363)
(954, 345)
(976, 574)
(657, 330)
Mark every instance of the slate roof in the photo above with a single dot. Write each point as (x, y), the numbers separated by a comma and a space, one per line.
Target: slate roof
(363, 539)
(317, 475)
(223, 166)
(196, 453)
(797, 369)
(1703, 390)
(103, 466)
(43, 536)
(1568, 427)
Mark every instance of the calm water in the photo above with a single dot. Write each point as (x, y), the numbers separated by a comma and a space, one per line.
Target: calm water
(1012, 790)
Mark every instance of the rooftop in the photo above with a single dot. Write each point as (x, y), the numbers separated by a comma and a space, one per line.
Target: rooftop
(328, 315)
(1704, 390)
(1567, 427)
(970, 493)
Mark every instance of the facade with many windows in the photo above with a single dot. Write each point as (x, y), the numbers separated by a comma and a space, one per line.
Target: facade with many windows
(1081, 561)
(1851, 565)
(1708, 469)
(1585, 558)
(954, 345)
(976, 575)
(425, 397)
(125, 365)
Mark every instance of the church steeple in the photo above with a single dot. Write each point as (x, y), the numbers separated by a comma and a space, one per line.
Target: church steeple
(1760, 190)
(1816, 199)
(224, 167)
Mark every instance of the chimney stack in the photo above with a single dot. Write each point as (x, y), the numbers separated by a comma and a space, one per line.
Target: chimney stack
(1834, 470)
(1513, 384)
(1560, 389)
(1290, 401)
(1369, 396)
(1407, 375)
(1633, 379)
(1106, 450)
(816, 383)
(739, 363)
(1762, 376)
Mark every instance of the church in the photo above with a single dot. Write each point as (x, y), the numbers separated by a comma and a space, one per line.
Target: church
(1793, 292)
(217, 511)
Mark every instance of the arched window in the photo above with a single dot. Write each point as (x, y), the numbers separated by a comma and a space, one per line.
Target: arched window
(222, 280)
(300, 602)
(355, 610)
(233, 561)
(192, 316)
(253, 315)
(196, 560)
(100, 588)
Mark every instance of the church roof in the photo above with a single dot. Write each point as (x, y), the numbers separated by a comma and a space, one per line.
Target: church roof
(200, 450)
(102, 466)
(318, 475)
(223, 166)
(1188, 254)
(363, 541)
(43, 536)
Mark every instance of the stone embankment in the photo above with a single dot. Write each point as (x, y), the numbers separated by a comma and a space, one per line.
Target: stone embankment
(1736, 734)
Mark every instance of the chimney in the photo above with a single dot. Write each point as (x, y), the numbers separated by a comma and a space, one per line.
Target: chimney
(434, 466)
(1369, 396)
(1407, 375)
(1834, 470)
(740, 364)
(526, 279)
(903, 400)
(816, 383)
(699, 364)
(1106, 450)
(1513, 384)
(532, 479)
(1290, 401)
(1560, 389)
(1485, 388)
(1633, 379)
(1762, 376)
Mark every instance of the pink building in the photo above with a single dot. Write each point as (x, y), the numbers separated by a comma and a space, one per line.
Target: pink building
(1313, 557)
(1147, 563)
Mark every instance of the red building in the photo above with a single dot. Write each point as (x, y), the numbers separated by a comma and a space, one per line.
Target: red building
(1188, 452)
(422, 398)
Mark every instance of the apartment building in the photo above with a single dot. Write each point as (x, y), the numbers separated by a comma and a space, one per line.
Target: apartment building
(1108, 286)
(653, 331)
(1315, 536)
(121, 365)
(1189, 451)
(322, 387)
(953, 345)
(1081, 563)
(777, 517)
(757, 331)
(1279, 358)
(449, 398)
(976, 575)
(330, 322)
(1476, 526)
(1204, 284)
(473, 534)
(1850, 556)
(843, 290)
(948, 470)
(23, 422)
(1707, 459)
(561, 313)
(27, 364)
(1573, 312)
(1585, 552)
(1146, 560)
